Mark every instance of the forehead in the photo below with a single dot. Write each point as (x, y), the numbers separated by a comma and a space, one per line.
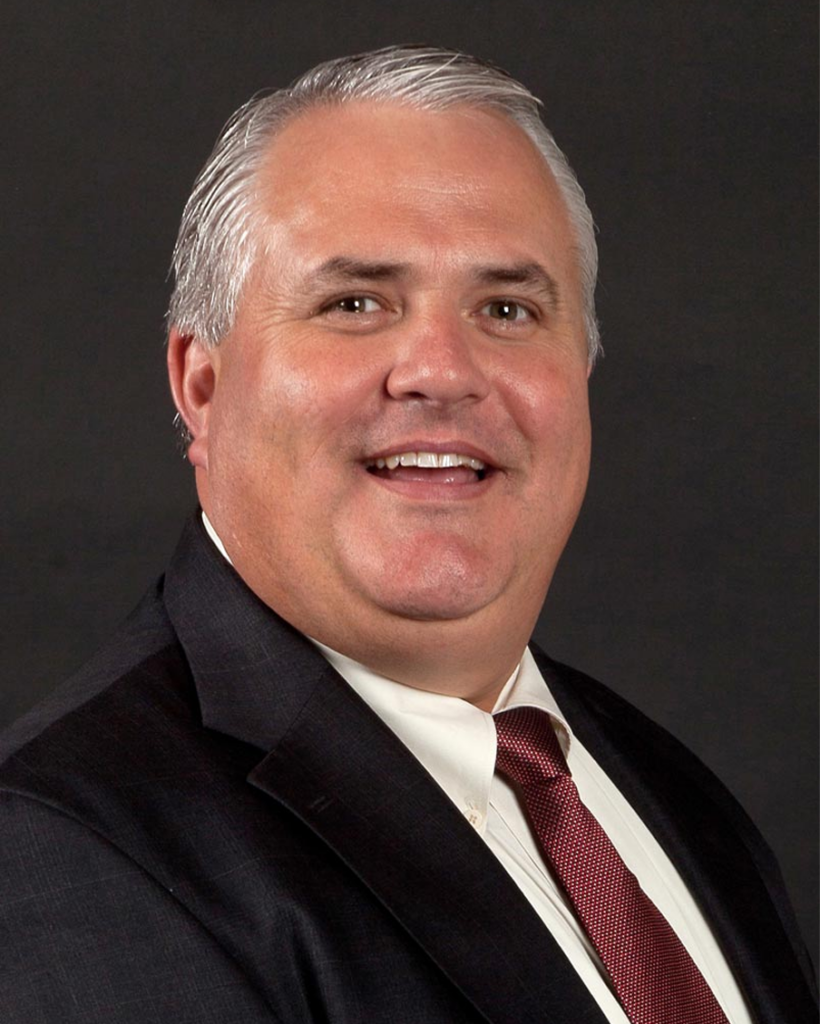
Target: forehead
(385, 175)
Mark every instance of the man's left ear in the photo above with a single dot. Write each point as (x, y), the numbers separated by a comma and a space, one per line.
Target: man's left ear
(193, 381)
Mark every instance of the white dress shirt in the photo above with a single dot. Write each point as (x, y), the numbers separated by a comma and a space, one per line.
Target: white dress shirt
(456, 742)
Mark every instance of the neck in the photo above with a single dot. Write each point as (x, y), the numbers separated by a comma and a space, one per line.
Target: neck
(451, 657)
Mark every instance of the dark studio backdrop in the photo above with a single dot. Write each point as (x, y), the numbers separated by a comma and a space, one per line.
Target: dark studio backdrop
(690, 583)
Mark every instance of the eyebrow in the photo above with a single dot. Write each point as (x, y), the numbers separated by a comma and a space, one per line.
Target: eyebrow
(349, 269)
(532, 275)
(346, 268)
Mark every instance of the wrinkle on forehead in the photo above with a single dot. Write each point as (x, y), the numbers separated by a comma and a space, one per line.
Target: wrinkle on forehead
(387, 183)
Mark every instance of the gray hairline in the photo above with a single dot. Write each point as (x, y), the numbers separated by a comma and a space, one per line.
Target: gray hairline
(219, 237)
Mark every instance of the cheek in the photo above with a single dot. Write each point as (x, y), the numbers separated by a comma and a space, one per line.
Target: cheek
(265, 399)
(560, 433)
(551, 408)
(291, 409)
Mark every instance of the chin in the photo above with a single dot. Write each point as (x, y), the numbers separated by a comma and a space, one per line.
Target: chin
(427, 579)
(435, 610)
(445, 601)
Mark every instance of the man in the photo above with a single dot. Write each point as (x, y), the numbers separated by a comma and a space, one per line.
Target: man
(319, 775)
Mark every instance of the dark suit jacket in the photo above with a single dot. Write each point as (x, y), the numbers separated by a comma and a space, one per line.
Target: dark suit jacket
(209, 825)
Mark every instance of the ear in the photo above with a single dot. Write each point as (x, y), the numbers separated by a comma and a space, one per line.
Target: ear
(193, 380)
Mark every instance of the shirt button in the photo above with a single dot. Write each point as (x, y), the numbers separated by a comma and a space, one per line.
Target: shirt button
(475, 817)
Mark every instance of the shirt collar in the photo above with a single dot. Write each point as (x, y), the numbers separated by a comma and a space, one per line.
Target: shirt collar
(206, 522)
(528, 688)
(454, 740)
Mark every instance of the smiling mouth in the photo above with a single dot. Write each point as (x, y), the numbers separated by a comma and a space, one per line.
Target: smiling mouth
(442, 467)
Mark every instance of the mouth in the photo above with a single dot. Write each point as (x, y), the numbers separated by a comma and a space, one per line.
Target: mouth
(453, 467)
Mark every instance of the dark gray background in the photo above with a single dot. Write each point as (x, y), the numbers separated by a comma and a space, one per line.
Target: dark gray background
(689, 585)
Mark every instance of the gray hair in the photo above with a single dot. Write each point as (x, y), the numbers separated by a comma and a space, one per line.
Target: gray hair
(218, 238)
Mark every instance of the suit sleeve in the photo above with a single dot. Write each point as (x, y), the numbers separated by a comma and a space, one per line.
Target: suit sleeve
(87, 937)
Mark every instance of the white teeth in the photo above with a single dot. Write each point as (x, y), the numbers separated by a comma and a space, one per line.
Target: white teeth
(427, 460)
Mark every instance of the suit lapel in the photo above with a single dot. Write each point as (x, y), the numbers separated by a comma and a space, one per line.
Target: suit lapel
(351, 781)
(706, 835)
(338, 768)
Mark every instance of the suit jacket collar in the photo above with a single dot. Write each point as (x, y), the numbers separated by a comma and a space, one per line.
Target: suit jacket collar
(332, 762)
(328, 758)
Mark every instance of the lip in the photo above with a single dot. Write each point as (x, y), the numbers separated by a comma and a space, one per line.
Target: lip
(437, 448)
(436, 491)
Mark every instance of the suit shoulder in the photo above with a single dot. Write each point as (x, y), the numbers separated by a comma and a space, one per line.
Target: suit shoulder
(139, 679)
(591, 705)
(632, 745)
(641, 757)
(90, 937)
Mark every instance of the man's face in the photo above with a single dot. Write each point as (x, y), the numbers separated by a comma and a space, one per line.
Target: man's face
(417, 300)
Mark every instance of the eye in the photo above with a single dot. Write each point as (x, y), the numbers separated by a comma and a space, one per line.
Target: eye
(507, 310)
(355, 313)
(355, 304)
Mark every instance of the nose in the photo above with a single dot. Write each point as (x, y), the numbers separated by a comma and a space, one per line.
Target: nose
(438, 362)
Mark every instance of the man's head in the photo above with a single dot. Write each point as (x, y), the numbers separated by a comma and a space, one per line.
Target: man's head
(390, 421)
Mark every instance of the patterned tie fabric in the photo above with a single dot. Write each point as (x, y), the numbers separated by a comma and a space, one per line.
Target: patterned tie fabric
(654, 977)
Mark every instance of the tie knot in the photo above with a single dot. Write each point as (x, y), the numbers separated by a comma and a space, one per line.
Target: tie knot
(528, 749)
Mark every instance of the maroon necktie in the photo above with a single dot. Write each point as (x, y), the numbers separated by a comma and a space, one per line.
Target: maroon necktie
(654, 977)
